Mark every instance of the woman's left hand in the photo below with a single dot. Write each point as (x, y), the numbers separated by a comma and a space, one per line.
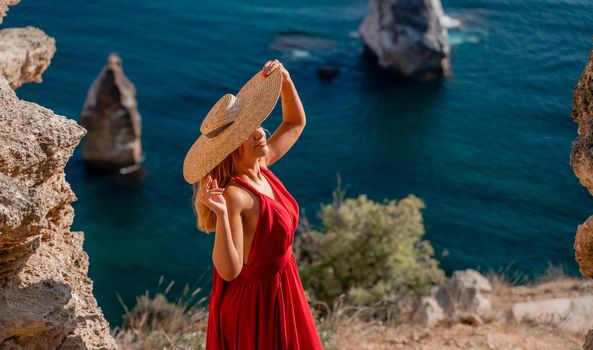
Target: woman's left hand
(271, 65)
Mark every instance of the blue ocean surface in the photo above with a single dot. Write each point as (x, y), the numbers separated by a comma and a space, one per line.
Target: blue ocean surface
(487, 149)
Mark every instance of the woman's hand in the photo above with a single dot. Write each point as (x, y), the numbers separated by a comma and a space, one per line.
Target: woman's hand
(271, 65)
(212, 196)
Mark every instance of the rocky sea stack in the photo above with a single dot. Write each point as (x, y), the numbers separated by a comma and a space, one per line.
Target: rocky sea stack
(46, 299)
(408, 37)
(111, 117)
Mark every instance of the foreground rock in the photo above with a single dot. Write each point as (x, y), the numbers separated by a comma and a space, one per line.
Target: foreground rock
(111, 117)
(465, 298)
(572, 314)
(588, 341)
(4, 4)
(581, 160)
(46, 299)
(581, 157)
(408, 37)
(25, 53)
(583, 246)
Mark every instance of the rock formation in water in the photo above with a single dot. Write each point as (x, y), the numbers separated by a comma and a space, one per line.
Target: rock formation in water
(46, 299)
(408, 37)
(581, 160)
(111, 118)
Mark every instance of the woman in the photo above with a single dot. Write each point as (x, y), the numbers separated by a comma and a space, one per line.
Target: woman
(257, 299)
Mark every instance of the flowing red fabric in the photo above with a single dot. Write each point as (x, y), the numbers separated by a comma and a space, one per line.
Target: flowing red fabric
(265, 307)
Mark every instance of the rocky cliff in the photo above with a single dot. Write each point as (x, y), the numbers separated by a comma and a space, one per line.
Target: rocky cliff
(46, 299)
(4, 7)
(25, 53)
(581, 160)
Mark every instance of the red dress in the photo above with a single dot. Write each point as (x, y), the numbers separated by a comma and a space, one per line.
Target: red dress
(265, 307)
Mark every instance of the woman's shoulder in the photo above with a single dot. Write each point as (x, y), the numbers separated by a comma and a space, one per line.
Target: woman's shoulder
(237, 196)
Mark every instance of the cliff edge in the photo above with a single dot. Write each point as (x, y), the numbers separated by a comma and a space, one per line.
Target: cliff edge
(581, 160)
(46, 299)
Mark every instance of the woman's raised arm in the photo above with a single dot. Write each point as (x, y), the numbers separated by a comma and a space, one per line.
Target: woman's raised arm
(293, 116)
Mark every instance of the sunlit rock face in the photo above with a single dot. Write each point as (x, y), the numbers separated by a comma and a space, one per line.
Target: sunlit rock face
(4, 4)
(583, 246)
(581, 160)
(581, 157)
(408, 37)
(46, 299)
(25, 53)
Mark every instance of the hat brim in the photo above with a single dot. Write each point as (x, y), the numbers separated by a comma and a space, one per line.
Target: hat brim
(260, 95)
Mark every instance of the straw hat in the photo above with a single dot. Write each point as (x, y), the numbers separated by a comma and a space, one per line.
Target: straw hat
(230, 122)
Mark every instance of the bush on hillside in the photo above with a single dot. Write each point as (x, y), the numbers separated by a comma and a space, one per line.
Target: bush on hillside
(371, 252)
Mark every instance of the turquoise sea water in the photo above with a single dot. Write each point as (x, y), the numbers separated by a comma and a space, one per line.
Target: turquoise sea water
(487, 149)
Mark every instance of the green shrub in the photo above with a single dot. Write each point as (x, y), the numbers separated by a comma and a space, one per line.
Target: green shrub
(371, 252)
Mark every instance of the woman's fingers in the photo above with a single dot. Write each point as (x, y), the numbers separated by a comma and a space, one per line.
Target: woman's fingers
(208, 196)
(270, 66)
(208, 182)
(211, 189)
(267, 64)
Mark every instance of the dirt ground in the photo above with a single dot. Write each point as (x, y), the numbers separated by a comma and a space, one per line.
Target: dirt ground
(491, 336)
(499, 332)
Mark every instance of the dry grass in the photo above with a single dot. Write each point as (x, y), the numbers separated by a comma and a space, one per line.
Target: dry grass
(156, 323)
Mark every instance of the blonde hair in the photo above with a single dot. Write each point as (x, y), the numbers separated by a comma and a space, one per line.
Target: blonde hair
(223, 172)
(205, 218)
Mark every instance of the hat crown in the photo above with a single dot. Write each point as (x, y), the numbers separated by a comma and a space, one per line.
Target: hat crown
(221, 115)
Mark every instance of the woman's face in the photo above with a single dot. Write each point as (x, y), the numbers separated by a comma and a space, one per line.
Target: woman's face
(255, 146)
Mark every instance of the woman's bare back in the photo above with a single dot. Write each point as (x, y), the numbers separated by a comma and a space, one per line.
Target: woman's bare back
(250, 213)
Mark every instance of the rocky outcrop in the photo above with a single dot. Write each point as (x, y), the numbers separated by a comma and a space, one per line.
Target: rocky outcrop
(4, 7)
(46, 299)
(571, 314)
(581, 160)
(465, 298)
(25, 54)
(581, 157)
(45, 294)
(111, 117)
(583, 246)
(408, 37)
(588, 341)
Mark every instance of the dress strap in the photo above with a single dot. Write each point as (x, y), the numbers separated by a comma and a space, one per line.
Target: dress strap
(246, 184)
(253, 189)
